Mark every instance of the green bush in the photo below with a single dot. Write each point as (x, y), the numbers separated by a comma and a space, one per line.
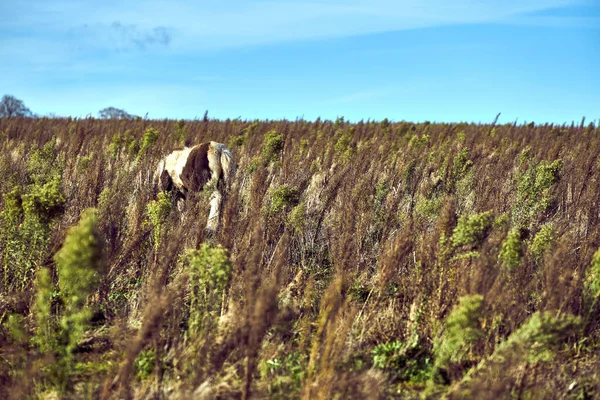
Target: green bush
(462, 329)
(125, 141)
(297, 217)
(533, 194)
(180, 132)
(210, 272)
(461, 164)
(284, 375)
(418, 142)
(402, 362)
(343, 148)
(539, 337)
(470, 230)
(282, 198)
(45, 334)
(542, 241)
(157, 212)
(592, 282)
(27, 214)
(511, 252)
(79, 265)
(150, 137)
(272, 146)
(144, 364)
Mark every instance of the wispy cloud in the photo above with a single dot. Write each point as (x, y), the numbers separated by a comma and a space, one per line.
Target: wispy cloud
(185, 25)
(120, 36)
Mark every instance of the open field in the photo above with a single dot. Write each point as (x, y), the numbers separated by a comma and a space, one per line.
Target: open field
(369, 260)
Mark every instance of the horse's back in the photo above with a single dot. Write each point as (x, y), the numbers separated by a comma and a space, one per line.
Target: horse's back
(196, 171)
(193, 167)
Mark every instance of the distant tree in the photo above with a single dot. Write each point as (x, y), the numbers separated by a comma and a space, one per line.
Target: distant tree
(10, 106)
(112, 112)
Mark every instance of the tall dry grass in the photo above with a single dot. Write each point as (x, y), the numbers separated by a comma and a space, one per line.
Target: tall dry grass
(368, 260)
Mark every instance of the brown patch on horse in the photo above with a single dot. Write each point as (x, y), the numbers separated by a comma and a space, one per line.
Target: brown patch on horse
(166, 183)
(196, 173)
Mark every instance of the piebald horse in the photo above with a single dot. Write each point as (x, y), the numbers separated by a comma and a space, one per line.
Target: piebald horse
(207, 166)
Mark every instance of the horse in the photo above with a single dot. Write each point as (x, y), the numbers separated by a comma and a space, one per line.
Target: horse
(205, 166)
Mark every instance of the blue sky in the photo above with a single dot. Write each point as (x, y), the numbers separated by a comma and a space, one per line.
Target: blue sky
(415, 60)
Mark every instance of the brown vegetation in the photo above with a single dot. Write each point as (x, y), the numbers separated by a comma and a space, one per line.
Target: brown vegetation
(367, 260)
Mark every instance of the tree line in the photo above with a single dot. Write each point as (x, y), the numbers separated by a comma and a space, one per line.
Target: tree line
(11, 107)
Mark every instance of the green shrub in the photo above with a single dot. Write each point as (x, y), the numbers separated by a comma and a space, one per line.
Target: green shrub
(462, 329)
(79, 265)
(42, 200)
(114, 146)
(533, 194)
(27, 214)
(45, 334)
(389, 355)
(253, 165)
(297, 217)
(282, 198)
(210, 272)
(43, 164)
(461, 164)
(272, 146)
(157, 212)
(83, 162)
(418, 143)
(592, 282)
(180, 131)
(403, 362)
(539, 337)
(429, 208)
(303, 146)
(14, 324)
(144, 364)
(342, 148)
(284, 375)
(150, 137)
(125, 141)
(542, 241)
(512, 250)
(470, 230)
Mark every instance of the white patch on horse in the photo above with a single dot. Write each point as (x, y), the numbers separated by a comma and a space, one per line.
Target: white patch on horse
(221, 167)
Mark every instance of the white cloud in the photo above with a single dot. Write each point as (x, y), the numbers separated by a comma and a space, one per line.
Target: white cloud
(192, 26)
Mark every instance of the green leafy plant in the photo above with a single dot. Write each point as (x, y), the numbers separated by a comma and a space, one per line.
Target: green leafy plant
(25, 220)
(592, 282)
(282, 198)
(79, 264)
(284, 375)
(470, 230)
(533, 194)
(511, 252)
(157, 212)
(210, 272)
(462, 329)
(272, 146)
(145, 363)
(148, 139)
(45, 334)
(542, 241)
(403, 362)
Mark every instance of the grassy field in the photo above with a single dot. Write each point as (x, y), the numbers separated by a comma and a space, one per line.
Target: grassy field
(355, 261)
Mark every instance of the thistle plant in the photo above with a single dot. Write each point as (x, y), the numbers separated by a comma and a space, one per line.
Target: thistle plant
(462, 329)
(79, 265)
(157, 211)
(210, 272)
